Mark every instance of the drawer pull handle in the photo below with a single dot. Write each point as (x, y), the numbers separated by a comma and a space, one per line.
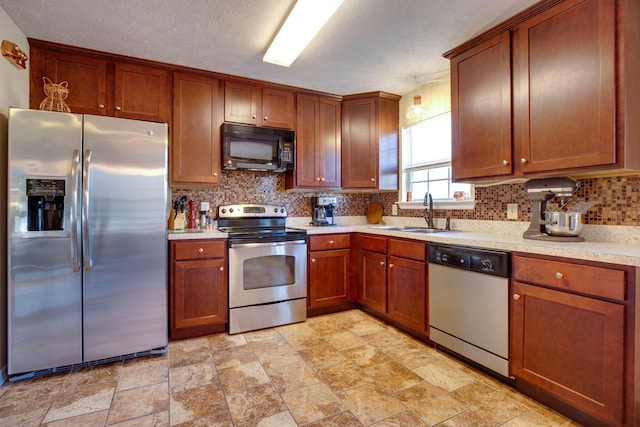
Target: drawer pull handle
(221, 268)
(559, 275)
(200, 250)
(516, 297)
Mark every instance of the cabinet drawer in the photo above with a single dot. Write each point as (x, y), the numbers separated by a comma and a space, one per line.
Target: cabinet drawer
(597, 281)
(409, 250)
(374, 244)
(199, 249)
(330, 241)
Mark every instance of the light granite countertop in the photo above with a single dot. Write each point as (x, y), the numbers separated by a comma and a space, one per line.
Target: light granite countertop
(612, 244)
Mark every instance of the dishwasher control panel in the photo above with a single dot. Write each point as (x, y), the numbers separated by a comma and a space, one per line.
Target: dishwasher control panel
(485, 261)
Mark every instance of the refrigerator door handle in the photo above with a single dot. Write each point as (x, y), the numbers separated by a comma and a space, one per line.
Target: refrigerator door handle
(73, 214)
(86, 244)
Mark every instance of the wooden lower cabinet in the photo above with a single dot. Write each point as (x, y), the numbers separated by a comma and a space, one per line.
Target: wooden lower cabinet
(406, 301)
(392, 280)
(198, 288)
(329, 270)
(572, 337)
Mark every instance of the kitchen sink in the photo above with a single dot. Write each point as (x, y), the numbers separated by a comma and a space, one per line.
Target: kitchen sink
(426, 230)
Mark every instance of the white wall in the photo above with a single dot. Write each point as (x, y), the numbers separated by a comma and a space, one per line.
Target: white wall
(14, 92)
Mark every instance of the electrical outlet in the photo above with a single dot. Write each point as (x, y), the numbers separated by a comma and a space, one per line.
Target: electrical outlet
(394, 209)
(512, 211)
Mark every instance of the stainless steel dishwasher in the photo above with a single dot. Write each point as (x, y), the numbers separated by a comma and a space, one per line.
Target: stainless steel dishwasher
(469, 303)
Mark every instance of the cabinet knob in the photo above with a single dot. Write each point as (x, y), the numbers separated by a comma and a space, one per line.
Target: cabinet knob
(381, 262)
(221, 269)
(101, 106)
(313, 260)
(331, 242)
(559, 275)
(516, 297)
(118, 108)
(523, 160)
(200, 250)
(318, 179)
(390, 265)
(321, 179)
(266, 118)
(373, 180)
(505, 162)
(253, 116)
(215, 174)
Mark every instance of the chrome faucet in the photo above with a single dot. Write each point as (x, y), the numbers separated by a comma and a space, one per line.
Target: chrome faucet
(428, 213)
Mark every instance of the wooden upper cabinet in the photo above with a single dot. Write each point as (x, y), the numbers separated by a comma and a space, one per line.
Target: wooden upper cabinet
(197, 117)
(141, 92)
(370, 127)
(574, 100)
(277, 108)
(481, 110)
(565, 87)
(318, 143)
(101, 86)
(249, 104)
(86, 78)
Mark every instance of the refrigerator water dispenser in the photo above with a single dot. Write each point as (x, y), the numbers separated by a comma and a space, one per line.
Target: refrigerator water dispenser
(45, 204)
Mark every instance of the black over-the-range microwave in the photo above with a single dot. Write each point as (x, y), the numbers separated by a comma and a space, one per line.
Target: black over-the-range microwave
(256, 148)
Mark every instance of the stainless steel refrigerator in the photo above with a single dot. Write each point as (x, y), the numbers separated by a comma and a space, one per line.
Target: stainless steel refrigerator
(87, 244)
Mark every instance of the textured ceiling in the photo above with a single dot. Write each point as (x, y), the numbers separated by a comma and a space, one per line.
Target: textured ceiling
(367, 45)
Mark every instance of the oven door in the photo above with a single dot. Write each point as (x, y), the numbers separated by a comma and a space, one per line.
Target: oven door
(263, 273)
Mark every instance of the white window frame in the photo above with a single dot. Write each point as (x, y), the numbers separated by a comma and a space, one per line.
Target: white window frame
(440, 203)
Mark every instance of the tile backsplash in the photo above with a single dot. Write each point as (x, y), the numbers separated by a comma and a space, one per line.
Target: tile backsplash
(618, 198)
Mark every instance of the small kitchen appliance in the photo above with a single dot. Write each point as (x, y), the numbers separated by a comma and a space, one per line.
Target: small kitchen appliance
(323, 208)
(559, 226)
(267, 267)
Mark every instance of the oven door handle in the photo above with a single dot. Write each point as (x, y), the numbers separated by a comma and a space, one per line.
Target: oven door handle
(265, 244)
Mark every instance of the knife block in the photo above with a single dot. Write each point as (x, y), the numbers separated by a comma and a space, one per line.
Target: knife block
(178, 221)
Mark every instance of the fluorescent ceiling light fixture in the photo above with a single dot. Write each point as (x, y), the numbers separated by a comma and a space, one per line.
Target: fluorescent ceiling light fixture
(301, 26)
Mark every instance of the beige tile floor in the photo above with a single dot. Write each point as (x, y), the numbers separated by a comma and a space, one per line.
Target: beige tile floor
(342, 369)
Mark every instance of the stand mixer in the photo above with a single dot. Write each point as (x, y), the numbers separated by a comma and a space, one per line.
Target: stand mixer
(565, 225)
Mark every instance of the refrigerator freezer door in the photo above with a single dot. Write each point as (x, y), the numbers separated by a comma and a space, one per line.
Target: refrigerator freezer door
(44, 294)
(125, 241)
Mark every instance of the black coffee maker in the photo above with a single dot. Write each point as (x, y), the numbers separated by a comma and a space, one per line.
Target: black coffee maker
(323, 208)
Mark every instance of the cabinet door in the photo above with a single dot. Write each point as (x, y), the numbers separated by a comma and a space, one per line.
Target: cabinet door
(318, 148)
(277, 108)
(87, 78)
(481, 110)
(359, 144)
(564, 83)
(241, 103)
(407, 299)
(571, 346)
(328, 278)
(372, 278)
(200, 293)
(141, 93)
(197, 117)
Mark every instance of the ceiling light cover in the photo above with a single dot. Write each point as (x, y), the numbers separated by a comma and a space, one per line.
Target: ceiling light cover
(305, 20)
